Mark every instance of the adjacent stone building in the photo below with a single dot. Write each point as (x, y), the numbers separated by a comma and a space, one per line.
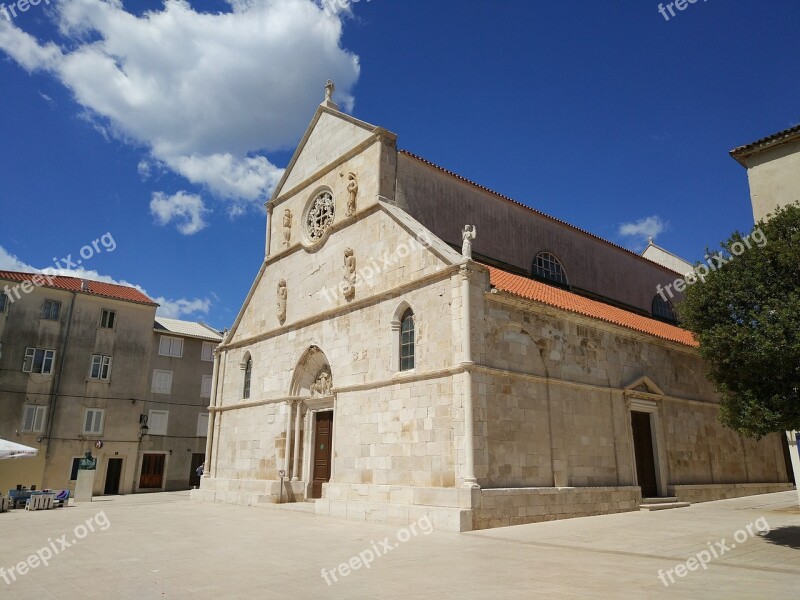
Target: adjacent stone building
(86, 365)
(416, 344)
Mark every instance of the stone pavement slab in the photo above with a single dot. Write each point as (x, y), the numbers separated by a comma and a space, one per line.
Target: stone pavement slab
(162, 546)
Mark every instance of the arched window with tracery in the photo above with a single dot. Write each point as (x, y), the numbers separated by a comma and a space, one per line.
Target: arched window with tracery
(547, 266)
(407, 340)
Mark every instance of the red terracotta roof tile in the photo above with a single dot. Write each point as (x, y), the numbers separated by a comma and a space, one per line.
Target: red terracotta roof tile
(73, 284)
(530, 289)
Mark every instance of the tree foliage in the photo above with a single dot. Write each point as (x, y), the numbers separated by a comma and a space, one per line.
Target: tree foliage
(746, 316)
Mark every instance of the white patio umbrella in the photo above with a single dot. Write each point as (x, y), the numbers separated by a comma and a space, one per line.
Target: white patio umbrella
(12, 450)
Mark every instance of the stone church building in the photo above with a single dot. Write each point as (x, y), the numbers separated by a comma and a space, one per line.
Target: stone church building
(417, 344)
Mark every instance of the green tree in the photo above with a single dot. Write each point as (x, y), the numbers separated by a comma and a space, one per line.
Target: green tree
(746, 316)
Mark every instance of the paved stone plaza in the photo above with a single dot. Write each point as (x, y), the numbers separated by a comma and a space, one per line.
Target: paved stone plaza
(162, 546)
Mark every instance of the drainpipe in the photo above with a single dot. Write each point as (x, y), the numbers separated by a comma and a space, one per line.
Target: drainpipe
(466, 359)
(51, 411)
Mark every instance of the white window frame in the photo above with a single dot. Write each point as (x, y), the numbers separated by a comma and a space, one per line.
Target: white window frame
(150, 422)
(202, 424)
(38, 412)
(156, 389)
(205, 386)
(103, 361)
(98, 421)
(47, 355)
(107, 315)
(174, 346)
(207, 353)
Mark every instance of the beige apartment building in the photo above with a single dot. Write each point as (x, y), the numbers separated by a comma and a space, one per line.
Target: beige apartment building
(417, 344)
(773, 170)
(87, 366)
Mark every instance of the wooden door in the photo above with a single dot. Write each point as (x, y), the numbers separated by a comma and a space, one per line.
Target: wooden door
(194, 478)
(152, 476)
(113, 475)
(643, 452)
(322, 452)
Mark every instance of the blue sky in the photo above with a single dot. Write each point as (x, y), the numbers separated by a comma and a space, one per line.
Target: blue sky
(169, 128)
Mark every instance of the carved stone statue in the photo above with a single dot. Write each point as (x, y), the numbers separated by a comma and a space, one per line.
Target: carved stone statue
(88, 462)
(323, 384)
(468, 235)
(282, 294)
(352, 191)
(287, 227)
(348, 286)
(329, 89)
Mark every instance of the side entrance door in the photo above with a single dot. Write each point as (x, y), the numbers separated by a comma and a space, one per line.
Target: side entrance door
(643, 452)
(322, 452)
(113, 475)
(152, 476)
(197, 460)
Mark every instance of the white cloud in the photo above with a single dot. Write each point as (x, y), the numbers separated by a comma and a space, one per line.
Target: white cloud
(185, 209)
(649, 227)
(176, 309)
(203, 92)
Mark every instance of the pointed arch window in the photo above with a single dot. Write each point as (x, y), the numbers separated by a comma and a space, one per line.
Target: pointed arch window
(407, 340)
(662, 309)
(547, 266)
(248, 372)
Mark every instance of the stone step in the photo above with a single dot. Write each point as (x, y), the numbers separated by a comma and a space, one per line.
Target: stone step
(664, 500)
(306, 507)
(663, 505)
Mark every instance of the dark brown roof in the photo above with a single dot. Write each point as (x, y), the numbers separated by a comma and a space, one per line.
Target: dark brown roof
(525, 206)
(776, 139)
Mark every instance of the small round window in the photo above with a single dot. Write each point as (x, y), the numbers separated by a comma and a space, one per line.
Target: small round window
(319, 216)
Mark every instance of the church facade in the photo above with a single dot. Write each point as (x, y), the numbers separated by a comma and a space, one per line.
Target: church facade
(416, 344)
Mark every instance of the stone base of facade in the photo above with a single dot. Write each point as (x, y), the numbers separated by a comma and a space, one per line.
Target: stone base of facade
(516, 506)
(448, 509)
(248, 492)
(723, 491)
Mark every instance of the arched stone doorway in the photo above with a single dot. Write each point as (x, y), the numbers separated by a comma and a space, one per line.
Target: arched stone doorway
(312, 385)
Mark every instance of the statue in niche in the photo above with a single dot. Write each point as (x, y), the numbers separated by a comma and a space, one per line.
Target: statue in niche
(282, 294)
(469, 234)
(323, 384)
(349, 283)
(287, 227)
(352, 193)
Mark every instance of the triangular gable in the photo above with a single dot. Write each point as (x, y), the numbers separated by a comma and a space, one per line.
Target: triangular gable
(644, 385)
(443, 251)
(330, 135)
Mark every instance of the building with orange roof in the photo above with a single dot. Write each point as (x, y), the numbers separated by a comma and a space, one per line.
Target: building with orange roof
(87, 366)
(417, 345)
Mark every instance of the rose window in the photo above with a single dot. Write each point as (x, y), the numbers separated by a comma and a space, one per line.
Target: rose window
(320, 216)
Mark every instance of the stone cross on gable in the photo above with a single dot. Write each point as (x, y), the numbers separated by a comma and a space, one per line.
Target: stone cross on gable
(328, 101)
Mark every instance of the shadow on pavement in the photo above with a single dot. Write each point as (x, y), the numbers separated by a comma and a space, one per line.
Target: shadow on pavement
(784, 536)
